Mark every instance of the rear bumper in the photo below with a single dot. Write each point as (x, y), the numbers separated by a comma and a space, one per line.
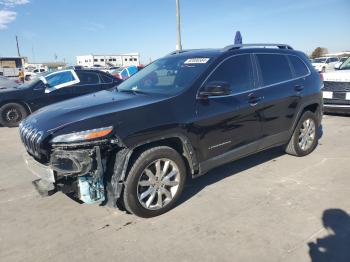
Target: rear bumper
(333, 108)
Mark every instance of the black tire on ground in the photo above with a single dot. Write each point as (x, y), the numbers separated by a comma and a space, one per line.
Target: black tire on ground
(130, 192)
(293, 147)
(12, 114)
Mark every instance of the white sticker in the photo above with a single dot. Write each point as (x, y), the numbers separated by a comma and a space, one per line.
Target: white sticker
(347, 96)
(197, 60)
(327, 94)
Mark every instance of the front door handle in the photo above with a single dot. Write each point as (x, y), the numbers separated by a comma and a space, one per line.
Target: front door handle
(299, 88)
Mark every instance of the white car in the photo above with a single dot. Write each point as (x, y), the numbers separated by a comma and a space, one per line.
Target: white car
(341, 60)
(29, 76)
(325, 64)
(336, 90)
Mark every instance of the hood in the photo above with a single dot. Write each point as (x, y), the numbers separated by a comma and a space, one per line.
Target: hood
(89, 107)
(8, 89)
(337, 76)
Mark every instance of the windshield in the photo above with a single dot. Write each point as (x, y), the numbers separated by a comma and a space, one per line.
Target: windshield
(345, 65)
(343, 59)
(320, 60)
(166, 76)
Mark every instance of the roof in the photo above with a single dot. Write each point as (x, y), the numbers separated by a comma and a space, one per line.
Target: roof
(217, 52)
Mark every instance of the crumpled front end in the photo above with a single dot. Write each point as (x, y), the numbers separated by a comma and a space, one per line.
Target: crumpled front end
(91, 171)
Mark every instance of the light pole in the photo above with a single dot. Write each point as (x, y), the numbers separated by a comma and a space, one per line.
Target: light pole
(178, 26)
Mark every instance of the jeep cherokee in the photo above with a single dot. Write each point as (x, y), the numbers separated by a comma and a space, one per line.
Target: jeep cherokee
(184, 114)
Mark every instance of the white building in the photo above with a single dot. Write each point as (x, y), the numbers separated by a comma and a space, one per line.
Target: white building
(109, 60)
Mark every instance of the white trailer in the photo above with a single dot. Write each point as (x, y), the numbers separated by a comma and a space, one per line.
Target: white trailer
(109, 60)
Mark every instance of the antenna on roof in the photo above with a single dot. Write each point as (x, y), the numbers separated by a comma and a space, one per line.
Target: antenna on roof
(238, 38)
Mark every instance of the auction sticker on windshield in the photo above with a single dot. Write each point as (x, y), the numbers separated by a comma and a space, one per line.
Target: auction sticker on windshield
(197, 61)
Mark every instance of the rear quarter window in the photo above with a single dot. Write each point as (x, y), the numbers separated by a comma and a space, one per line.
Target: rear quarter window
(106, 79)
(274, 68)
(299, 66)
(88, 77)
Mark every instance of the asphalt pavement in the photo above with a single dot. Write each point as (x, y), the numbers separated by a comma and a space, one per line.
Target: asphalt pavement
(266, 207)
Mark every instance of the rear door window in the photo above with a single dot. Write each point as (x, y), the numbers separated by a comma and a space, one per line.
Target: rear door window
(299, 66)
(106, 79)
(88, 78)
(237, 71)
(274, 68)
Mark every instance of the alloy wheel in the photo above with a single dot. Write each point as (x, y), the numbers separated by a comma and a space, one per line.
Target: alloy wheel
(307, 134)
(158, 184)
(12, 115)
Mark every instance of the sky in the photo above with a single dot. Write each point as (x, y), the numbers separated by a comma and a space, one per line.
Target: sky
(47, 29)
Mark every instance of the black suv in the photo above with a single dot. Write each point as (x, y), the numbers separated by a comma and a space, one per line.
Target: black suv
(184, 114)
(18, 102)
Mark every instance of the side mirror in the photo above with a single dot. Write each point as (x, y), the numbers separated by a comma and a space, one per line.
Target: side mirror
(337, 66)
(215, 88)
(41, 87)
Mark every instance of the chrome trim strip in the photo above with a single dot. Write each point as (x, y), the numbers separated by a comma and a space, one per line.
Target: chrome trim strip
(329, 105)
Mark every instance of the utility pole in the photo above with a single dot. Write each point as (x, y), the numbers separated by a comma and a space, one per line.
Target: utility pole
(19, 54)
(178, 26)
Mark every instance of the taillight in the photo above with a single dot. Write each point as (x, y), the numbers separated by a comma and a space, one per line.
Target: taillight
(321, 76)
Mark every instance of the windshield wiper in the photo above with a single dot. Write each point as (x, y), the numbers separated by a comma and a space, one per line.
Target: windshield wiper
(133, 91)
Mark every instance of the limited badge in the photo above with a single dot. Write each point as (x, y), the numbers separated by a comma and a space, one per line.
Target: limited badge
(197, 60)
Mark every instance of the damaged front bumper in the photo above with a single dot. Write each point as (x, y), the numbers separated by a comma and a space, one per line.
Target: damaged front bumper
(92, 172)
(76, 172)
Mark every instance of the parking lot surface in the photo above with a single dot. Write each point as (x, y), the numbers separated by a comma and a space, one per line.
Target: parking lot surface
(267, 207)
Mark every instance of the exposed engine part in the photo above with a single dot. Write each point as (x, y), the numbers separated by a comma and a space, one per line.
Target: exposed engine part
(91, 191)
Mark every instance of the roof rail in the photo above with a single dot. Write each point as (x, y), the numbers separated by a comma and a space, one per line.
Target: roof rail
(180, 51)
(233, 47)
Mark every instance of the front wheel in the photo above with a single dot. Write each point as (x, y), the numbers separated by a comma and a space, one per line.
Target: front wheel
(12, 114)
(155, 182)
(305, 137)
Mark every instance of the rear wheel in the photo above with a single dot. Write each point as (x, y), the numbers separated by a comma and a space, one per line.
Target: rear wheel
(155, 182)
(12, 114)
(305, 138)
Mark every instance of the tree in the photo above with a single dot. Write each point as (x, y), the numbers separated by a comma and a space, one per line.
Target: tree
(319, 51)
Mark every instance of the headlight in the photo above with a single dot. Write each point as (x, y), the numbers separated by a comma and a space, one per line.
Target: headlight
(83, 135)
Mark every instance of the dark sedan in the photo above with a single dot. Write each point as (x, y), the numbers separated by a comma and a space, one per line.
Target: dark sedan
(18, 102)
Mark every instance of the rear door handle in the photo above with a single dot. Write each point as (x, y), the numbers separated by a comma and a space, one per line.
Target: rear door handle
(254, 100)
(299, 88)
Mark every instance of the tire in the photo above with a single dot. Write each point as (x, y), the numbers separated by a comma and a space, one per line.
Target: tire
(144, 184)
(294, 146)
(12, 114)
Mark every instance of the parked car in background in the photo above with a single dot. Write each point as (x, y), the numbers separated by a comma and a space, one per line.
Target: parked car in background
(124, 73)
(184, 114)
(18, 102)
(29, 76)
(6, 82)
(325, 64)
(341, 60)
(336, 91)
